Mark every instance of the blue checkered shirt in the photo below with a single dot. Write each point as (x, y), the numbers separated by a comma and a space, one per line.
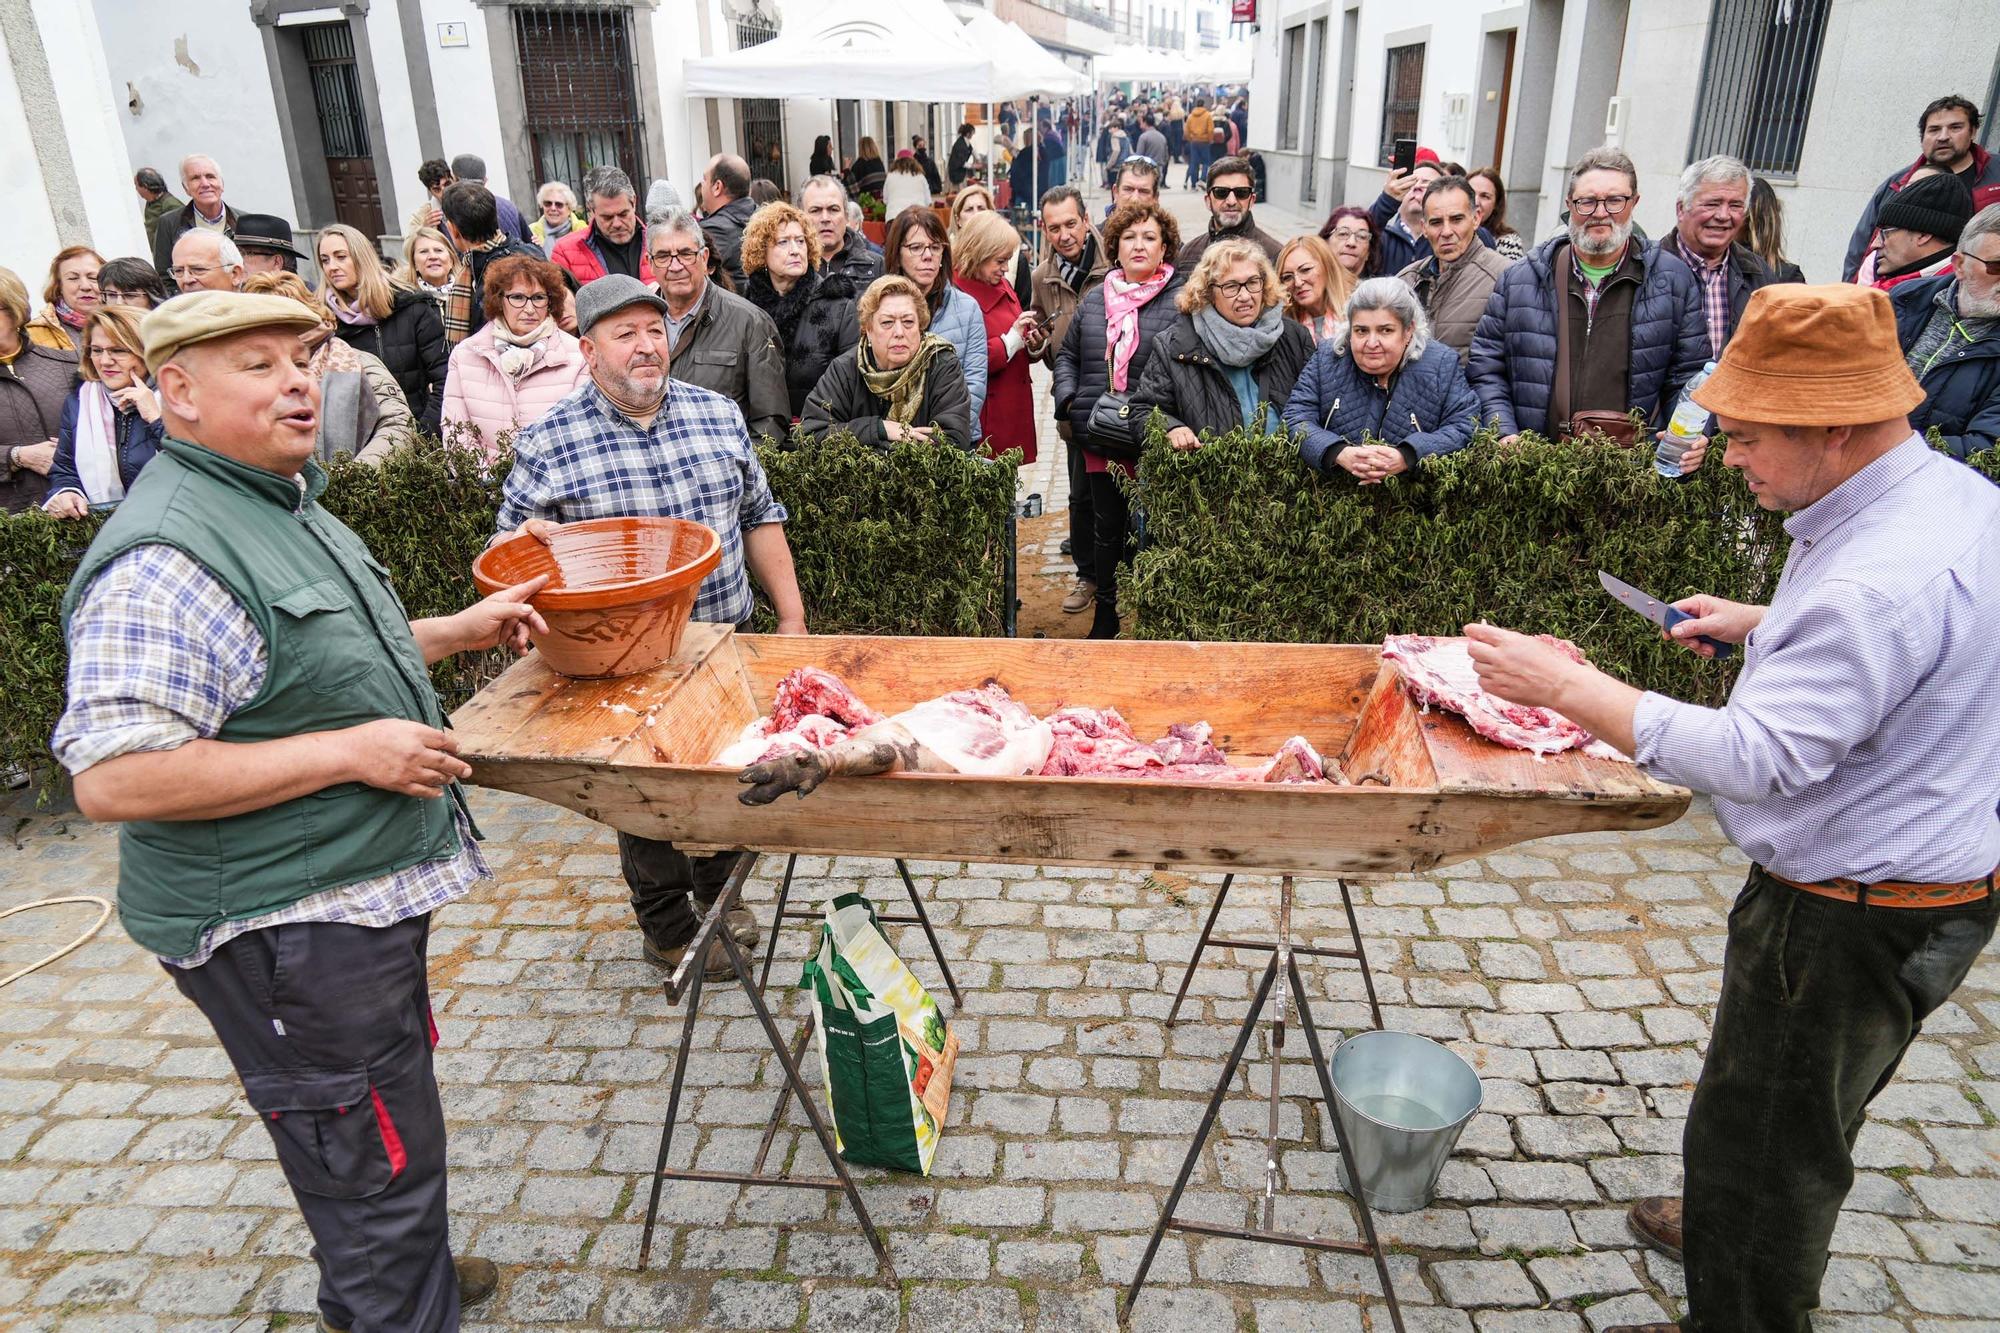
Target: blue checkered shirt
(161, 653)
(586, 459)
(1862, 738)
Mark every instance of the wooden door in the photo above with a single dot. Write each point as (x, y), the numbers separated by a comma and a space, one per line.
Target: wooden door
(343, 127)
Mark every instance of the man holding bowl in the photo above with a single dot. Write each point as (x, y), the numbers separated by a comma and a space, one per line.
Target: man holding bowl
(630, 442)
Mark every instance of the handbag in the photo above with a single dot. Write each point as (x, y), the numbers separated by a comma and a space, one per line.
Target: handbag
(348, 413)
(1116, 427)
(1567, 425)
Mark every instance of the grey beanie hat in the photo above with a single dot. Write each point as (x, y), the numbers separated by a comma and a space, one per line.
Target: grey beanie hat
(610, 294)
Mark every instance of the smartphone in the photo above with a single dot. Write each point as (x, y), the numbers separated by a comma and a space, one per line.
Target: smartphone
(1405, 156)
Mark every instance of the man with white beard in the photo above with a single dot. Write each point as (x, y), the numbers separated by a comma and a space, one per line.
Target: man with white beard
(1949, 327)
(1629, 313)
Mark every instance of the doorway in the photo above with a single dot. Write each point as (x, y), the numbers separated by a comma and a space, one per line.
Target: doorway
(343, 126)
(1314, 109)
(1496, 92)
(1343, 106)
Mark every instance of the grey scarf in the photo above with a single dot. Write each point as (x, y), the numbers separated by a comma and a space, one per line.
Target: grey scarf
(1234, 345)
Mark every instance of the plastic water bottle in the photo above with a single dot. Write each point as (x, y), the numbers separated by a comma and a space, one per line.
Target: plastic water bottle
(1683, 428)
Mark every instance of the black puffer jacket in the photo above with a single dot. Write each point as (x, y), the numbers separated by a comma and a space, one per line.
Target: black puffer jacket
(843, 400)
(1083, 374)
(411, 343)
(1192, 388)
(825, 328)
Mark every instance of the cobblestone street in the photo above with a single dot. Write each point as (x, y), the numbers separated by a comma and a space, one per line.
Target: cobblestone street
(1577, 974)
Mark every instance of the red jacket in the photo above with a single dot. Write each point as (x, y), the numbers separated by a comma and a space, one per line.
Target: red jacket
(1008, 418)
(576, 254)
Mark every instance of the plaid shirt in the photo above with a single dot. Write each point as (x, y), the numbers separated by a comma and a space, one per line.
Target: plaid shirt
(586, 459)
(161, 653)
(1713, 280)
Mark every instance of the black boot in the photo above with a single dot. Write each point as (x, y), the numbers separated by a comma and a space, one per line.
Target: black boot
(1105, 624)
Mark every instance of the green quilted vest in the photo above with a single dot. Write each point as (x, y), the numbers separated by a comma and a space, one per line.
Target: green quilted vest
(340, 653)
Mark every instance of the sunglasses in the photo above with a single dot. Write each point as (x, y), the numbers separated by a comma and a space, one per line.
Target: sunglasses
(1232, 192)
(1990, 267)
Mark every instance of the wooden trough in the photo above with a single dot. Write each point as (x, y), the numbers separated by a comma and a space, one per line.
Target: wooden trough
(633, 753)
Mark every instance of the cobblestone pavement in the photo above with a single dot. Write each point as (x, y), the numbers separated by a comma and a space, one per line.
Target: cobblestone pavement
(1578, 974)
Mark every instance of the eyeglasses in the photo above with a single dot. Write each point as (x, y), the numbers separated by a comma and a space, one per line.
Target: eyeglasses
(1350, 234)
(1296, 275)
(923, 251)
(527, 300)
(1609, 204)
(789, 243)
(188, 272)
(1232, 192)
(676, 258)
(1232, 290)
(108, 351)
(121, 296)
(1990, 267)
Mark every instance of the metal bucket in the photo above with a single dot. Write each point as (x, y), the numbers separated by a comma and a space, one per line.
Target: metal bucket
(1402, 1100)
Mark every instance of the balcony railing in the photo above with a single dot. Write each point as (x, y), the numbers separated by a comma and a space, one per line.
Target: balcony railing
(1083, 11)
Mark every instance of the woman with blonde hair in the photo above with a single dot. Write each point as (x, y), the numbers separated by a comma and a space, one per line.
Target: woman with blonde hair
(1232, 357)
(71, 293)
(559, 215)
(428, 261)
(905, 186)
(984, 250)
(397, 324)
(1314, 284)
(974, 198)
(900, 383)
(813, 309)
(111, 425)
(347, 379)
(867, 172)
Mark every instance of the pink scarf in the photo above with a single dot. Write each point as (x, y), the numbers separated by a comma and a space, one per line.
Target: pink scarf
(1122, 302)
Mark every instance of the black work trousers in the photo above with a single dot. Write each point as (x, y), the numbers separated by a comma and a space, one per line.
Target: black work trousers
(1082, 517)
(1820, 998)
(329, 1027)
(663, 879)
(1112, 524)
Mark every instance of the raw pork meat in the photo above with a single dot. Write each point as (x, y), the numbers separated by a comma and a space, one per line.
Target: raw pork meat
(1439, 670)
(982, 731)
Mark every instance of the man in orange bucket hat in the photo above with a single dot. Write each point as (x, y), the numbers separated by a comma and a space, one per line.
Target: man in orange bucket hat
(1857, 765)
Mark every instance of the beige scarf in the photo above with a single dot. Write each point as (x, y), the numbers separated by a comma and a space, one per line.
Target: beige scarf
(902, 387)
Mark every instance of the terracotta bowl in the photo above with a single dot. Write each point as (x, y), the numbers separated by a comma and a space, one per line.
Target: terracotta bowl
(622, 592)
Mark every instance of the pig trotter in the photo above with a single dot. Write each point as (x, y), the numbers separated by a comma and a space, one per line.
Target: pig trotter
(800, 772)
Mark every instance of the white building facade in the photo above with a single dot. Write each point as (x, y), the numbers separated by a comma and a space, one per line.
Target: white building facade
(1820, 97)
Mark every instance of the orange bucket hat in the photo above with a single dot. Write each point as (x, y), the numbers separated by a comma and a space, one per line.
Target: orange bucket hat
(1813, 356)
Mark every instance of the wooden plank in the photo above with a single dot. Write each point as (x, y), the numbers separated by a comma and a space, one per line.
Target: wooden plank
(488, 721)
(705, 712)
(1255, 696)
(1387, 747)
(1076, 821)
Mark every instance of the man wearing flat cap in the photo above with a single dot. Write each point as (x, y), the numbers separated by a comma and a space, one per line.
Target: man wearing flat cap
(632, 442)
(250, 703)
(1857, 765)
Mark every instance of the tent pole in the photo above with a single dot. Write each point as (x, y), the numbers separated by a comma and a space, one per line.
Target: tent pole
(992, 148)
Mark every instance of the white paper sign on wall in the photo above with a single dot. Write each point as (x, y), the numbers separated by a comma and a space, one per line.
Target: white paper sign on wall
(453, 34)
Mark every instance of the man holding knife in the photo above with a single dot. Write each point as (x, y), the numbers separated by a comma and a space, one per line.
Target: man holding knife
(1857, 764)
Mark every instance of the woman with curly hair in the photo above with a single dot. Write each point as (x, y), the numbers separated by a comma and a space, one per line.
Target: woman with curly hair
(518, 365)
(901, 382)
(1232, 357)
(814, 310)
(1105, 350)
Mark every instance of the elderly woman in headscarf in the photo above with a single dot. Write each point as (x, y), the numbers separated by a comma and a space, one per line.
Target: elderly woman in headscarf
(1232, 357)
(900, 383)
(1382, 394)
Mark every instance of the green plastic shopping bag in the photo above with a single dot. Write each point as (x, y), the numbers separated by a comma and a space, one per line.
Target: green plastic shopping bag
(886, 1055)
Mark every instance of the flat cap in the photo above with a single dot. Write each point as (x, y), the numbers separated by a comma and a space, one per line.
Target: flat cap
(199, 317)
(609, 294)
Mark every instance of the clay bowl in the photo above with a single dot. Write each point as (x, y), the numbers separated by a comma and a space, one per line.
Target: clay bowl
(622, 591)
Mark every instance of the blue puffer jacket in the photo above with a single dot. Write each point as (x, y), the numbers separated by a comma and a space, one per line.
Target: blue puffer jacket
(961, 325)
(135, 438)
(1427, 409)
(1513, 361)
(1962, 383)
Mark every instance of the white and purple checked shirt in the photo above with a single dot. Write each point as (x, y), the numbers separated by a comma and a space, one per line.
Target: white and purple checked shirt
(1862, 739)
(161, 653)
(586, 459)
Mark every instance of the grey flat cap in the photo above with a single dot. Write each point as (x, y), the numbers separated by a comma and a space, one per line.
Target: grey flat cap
(608, 295)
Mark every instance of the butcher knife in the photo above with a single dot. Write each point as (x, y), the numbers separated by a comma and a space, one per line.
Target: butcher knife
(1657, 611)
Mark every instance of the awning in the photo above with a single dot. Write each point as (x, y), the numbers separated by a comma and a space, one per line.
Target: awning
(879, 50)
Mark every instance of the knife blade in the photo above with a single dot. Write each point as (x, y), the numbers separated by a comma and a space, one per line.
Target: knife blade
(1660, 613)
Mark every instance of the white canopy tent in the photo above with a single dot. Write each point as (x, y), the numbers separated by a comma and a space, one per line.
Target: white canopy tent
(885, 50)
(1136, 62)
(1022, 66)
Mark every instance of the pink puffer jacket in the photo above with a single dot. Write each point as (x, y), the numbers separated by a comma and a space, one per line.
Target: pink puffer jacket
(479, 393)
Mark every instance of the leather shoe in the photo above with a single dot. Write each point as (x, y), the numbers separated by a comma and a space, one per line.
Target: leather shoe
(1656, 1221)
(1645, 1328)
(714, 966)
(741, 923)
(1080, 598)
(476, 1279)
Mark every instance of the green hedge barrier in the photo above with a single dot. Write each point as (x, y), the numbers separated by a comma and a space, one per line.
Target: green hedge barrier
(1246, 542)
(908, 541)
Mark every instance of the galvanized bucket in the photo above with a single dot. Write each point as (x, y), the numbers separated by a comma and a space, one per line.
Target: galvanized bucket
(1403, 1100)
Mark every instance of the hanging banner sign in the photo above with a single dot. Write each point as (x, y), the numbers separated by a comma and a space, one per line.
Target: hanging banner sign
(1242, 11)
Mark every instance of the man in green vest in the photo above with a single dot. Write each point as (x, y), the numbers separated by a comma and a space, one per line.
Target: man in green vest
(249, 701)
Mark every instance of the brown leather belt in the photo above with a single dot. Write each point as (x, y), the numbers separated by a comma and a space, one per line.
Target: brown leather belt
(1894, 893)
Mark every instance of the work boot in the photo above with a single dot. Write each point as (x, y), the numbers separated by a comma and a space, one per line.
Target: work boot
(1080, 597)
(476, 1279)
(1656, 1220)
(1067, 548)
(741, 923)
(714, 967)
(1644, 1328)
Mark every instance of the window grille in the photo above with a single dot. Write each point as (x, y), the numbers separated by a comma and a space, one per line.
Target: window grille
(1757, 77)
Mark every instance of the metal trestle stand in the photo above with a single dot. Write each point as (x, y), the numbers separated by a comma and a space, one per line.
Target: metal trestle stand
(686, 982)
(1283, 987)
(1358, 953)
